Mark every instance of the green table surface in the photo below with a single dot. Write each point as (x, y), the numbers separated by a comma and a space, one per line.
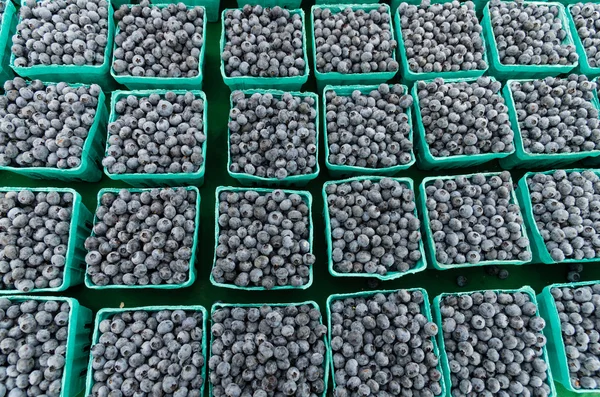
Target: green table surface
(204, 293)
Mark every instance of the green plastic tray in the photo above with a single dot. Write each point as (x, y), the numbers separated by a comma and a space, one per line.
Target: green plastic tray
(522, 159)
(99, 74)
(425, 310)
(144, 82)
(429, 235)
(314, 304)
(90, 169)
(505, 72)
(289, 4)
(307, 198)
(79, 230)
(444, 357)
(7, 27)
(584, 63)
(78, 335)
(293, 180)
(348, 170)
(335, 78)
(168, 179)
(392, 275)
(192, 272)
(103, 314)
(293, 83)
(428, 161)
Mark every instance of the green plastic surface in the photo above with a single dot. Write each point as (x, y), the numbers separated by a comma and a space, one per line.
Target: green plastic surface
(168, 179)
(7, 28)
(293, 83)
(391, 275)
(338, 171)
(335, 78)
(431, 258)
(428, 161)
(425, 310)
(293, 180)
(505, 72)
(306, 197)
(584, 63)
(192, 271)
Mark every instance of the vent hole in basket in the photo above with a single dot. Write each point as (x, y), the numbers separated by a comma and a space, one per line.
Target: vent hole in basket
(83, 373)
(89, 224)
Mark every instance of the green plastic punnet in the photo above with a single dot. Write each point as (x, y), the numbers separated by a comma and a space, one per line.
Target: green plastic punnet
(338, 171)
(289, 4)
(306, 197)
(584, 62)
(168, 179)
(431, 257)
(103, 314)
(505, 72)
(7, 28)
(149, 82)
(425, 310)
(428, 161)
(90, 168)
(192, 272)
(335, 78)
(522, 159)
(293, 83)
(293, 180)
(443, 354)
(391, 275)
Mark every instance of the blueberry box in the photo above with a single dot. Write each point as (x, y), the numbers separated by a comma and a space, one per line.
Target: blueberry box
(338, 171)
(7, 28)
(584, 63)
(391, 275)
(306, 197)
(429, 233)
(192, 272)
(168, 179)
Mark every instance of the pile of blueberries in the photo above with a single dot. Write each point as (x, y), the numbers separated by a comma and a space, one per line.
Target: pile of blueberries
(587, 22)
(149, 352)
(142, 238)
(384, 345)
(157, 134)
(267, 351)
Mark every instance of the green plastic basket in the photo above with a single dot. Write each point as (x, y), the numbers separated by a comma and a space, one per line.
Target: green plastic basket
(8, 26)
(428, 161)
(293, 180)
(314, 304)
(103, 314)
(425, 310)
(392, 275)
(350, 170)
(584, 63)
(505, 72)
(522, 159)
(78, 334)
(146, 82)
(98, 74)
(431, 258)
(335, 78)
(90, 168)
(168, 179)
(192, 272)
(293, 83)
(443, 355)
(307, 198)
(289, 4)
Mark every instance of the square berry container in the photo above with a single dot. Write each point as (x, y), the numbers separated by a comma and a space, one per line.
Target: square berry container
(428, 161)
(336, 78)
(429, 233)
(7, 28)
(443, 355)
(145, 82)
(103, 314)
(293, 180)
(522, 159)
(306, 197)
(425, 310)
(505, 72)
(90, 168)
(392, 275)
(168, 179)
(584, 63)
(79, 229)
(290, 83)
(342, 171)
(192, 272)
